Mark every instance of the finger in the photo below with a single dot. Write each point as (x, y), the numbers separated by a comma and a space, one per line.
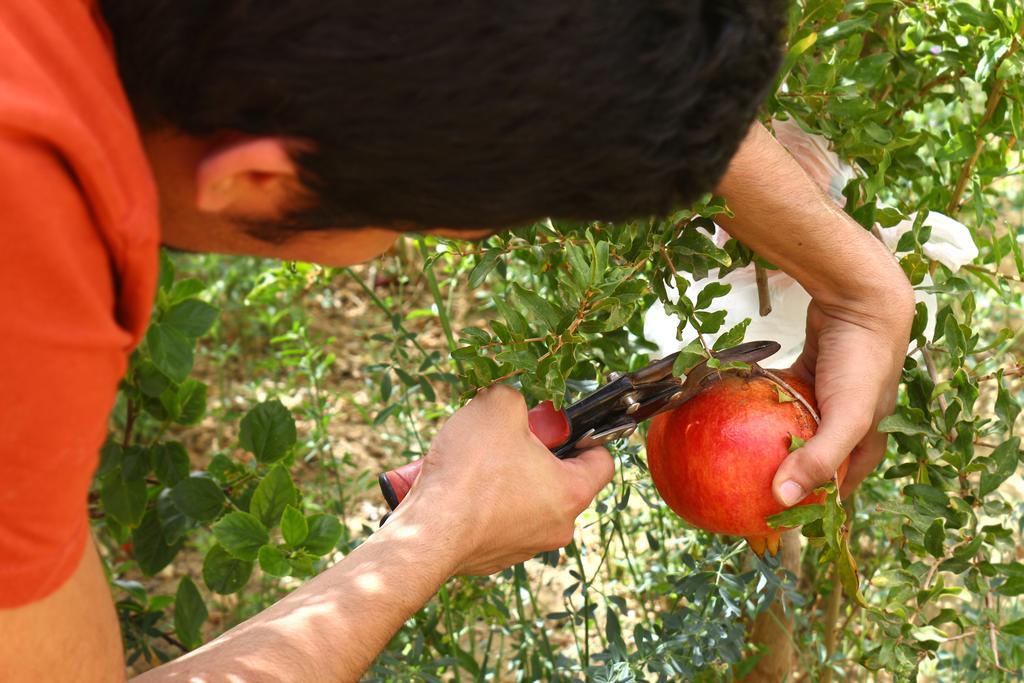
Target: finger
(817, 461)
(865, 459)
(589, 472)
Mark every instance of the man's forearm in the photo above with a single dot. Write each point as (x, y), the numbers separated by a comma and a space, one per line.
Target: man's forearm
(783, 216)
(858, 322)
(333, 627)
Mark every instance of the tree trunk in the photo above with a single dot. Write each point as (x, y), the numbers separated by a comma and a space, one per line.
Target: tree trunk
(773, 628)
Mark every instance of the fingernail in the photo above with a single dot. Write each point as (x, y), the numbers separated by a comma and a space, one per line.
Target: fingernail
(790, 492)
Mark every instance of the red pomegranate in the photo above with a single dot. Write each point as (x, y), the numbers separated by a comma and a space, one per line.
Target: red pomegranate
(713, 459)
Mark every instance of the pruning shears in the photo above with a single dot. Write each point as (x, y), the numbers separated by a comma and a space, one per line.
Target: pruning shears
(611, 412)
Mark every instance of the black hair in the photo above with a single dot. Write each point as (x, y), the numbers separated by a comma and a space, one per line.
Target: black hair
(463, 113)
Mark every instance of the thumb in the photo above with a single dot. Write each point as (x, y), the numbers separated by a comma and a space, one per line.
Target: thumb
(588, 473)
(816, 462)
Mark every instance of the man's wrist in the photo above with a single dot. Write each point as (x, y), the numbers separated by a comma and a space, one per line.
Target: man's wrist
(873, 286)
(434, 533)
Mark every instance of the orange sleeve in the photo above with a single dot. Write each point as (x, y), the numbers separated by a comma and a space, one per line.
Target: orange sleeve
(62, 353)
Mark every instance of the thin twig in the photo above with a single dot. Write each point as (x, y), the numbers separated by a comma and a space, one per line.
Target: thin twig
(995, 96)
(581, 314)
(991, 273)
(690, 319)
(513, 342)
(174, 641)
(993, 643)
(764, 297)
(926, 584)
(961, 636)
(933, 373)
(1016, 371)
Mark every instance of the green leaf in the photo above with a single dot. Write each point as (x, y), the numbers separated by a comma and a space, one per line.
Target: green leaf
(168, 407)
(847, 568)
(927, 633)
(972, 15)
(275, 492)
(174, 522)
(838, 539)
(797, 48)
(732, 337)
(135, 463)
(1013, 586)
(268, 431)
(170, 351)
(935, 538)
(191, 317)
(542, 311)
(692, 354)
(1007, 409)
(909, 421)
(927, 493)
(185, 289)
(273, 561)
(784, 396)
(166, 278)
(225, 574)
(483, 267)
(385, 386)
(797, 516)
(324, 533)
(150, 546)
(151, 381)
(694, 242)
(111, 456)
(428, 390)
(920, 320)
(795, 442)
(294, 527)
(954, 337)
(199, 497)
(125, 501)
(170, 462)
(1001, 465)
(302, 565)
(580, 267)
(474, 335)
(599, 264)
(189, 614)
(241, 534)
(709, 322)
(1014, 628)
(710, 292)
(966, 552)
(191, 401)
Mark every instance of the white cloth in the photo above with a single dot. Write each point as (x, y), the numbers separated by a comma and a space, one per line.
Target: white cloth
(789, 303)
(812, 152)
(950, 243)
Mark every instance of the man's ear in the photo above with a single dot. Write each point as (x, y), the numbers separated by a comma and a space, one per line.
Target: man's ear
(248, 177)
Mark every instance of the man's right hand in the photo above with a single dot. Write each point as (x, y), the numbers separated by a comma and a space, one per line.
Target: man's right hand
(507, 496)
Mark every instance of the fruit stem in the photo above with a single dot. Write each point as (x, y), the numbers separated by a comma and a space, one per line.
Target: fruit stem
(757, 369)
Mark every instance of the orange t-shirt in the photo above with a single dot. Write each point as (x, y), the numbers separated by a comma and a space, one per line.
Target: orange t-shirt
(78, 269)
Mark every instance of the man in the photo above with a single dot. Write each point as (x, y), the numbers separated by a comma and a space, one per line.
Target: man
(317, 130)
